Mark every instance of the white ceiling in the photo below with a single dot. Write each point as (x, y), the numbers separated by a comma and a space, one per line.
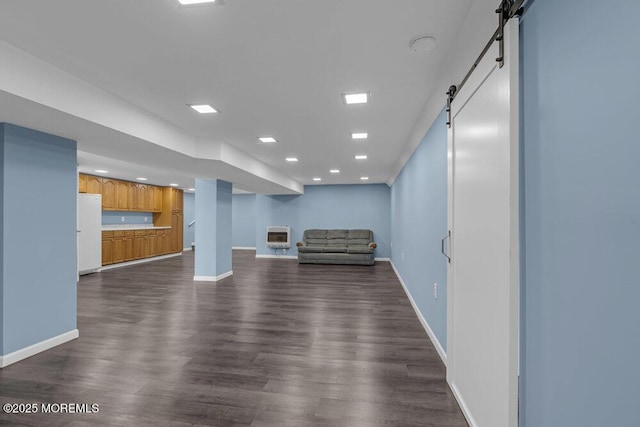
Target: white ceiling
(271, 67)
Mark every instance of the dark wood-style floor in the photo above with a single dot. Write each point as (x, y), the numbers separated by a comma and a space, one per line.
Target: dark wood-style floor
(276, 344)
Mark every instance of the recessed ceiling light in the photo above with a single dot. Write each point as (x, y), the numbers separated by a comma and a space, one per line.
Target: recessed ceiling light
(317, 179)
(356, 98)
(191, 189)
(204, 108)
(173, 184)
(101, 171)
(361, 157)
(196, 1)
(291, 159)
(141, 178)
(364, 178)
(359, 135)
(335, 171)
(267, 139)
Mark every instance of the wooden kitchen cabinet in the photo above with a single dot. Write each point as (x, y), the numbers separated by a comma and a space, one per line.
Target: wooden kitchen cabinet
(117, 249)
(109, 191)
(107, 247)
(140, 244)
(128, 245)
(122, 195)
(82, 183)
(152, 247)
(94, 184)
(142, 203)
(157, 199)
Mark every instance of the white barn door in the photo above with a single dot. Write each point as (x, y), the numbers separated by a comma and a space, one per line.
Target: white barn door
(483, 276)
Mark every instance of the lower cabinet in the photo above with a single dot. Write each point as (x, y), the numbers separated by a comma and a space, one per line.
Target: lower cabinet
(121, 246)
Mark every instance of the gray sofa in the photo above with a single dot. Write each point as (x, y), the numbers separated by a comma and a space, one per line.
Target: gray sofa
(337, 247)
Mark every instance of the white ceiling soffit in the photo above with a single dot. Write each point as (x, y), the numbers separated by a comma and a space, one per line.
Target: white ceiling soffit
(272, 68)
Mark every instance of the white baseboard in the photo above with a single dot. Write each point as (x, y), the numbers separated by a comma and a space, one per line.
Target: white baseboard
(212, 278)
(277, 256)
(243, 248)
(383, 259)
(463, 405)
(425, 325)
(34, 349)
(186, 249)
(137, 261)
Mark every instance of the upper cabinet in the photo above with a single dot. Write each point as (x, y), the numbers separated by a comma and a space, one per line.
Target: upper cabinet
(109, 194)
(94, 184)
(122, 195)
(118, 195)
(82, 183)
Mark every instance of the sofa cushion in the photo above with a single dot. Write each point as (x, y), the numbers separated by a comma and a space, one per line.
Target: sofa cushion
(360, 234)
(310, 249)
(315, 234)
(316, 242)
(358, 242)
(337, 242)
(359, 249)
(337, 234)
(334, 249)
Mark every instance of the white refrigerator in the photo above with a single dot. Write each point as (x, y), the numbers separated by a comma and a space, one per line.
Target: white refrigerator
(89, 233)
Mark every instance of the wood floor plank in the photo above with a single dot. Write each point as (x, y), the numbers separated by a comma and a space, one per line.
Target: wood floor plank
(276, 344)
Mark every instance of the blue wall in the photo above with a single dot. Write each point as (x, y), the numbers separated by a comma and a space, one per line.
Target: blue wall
(327, 206)
(419, 222)
(115, 217)
(189, 210)
(580, 340)
(213, 236)
(244, 220)
(39, 187)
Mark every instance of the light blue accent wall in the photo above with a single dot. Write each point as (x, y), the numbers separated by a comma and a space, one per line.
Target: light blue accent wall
(581, 287)
(327, 206)
(189, 211)
(213, 235)
(419, 222)
(244, 220)
(115, 217)
(224, 218)
(39, 188)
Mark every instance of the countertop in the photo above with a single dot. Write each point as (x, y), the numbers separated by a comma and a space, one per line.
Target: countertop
(112, 227)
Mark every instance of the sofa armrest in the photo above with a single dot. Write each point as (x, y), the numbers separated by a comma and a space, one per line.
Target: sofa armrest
(300, 244)
(373, 245)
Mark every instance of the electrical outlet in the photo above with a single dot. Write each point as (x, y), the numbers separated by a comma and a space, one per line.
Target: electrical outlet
(145, 219)
(122, 218)
(435, 291)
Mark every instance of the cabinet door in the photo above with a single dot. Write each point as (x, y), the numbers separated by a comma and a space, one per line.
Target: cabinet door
(167, 240)
(94, 184)
(141, 199)
(133, 196)
(180, 232)
(122, 195)
(107, 251)
(82, 183)
(118, 249)
(109, 193)
(128, 247)
(152, 248)
(160, 242)
(139, 246)
(157, 199)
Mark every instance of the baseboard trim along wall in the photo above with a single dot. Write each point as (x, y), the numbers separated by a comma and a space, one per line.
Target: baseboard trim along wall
(425, 325)
(463, 406)
(212, 278)
(186, 249)
(243, 248)
(277, 256)
(383, 259)
(138, 261)
(34, 349)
